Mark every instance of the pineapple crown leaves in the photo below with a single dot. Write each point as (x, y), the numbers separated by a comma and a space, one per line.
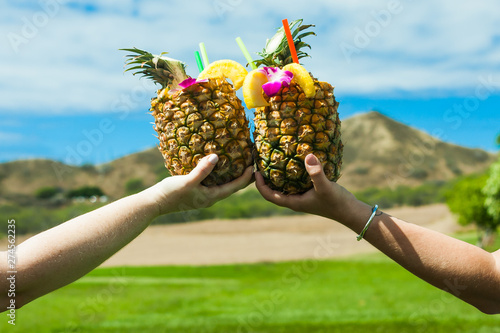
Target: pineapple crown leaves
(165, 71)
(277, 52)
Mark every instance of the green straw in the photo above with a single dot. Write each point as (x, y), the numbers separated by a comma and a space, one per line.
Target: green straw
(245, 53)
(204, 56)
(198, 61)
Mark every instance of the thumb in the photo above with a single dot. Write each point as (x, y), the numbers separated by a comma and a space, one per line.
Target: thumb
(315, 170)
(204, 167)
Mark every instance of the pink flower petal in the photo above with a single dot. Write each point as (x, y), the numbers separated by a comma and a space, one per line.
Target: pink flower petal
(271, 88)
(190, 81)
(187, 82)
(277, 78)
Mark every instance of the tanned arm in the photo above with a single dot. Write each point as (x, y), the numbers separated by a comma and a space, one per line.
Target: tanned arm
(464, 270)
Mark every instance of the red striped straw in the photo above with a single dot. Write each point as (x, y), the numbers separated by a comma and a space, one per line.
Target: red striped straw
(289, 38)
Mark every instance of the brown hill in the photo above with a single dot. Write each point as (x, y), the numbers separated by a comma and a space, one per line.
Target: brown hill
(22, 178)
(378, 152)
(382, 152)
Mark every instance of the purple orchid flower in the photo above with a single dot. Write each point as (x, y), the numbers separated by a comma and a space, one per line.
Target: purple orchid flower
(276, 78)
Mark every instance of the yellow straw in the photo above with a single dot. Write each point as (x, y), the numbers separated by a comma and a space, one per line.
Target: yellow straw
(204, 55)
(245, 53)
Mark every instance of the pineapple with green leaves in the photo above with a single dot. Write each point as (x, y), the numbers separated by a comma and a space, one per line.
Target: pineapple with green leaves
(295, 115)
(197, 117)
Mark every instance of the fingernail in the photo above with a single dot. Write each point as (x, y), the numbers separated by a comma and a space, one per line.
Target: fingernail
(213, 158)
(311, 160)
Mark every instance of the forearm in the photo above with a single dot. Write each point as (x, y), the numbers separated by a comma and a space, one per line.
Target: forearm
(447, 263)
(66, 252)
(459, 268)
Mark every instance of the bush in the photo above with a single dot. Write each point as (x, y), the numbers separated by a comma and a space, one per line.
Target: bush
(85, 191)
(47, 192)
(161, 172)
(134, 185)
(427, 193)
(467, 200)
(33, 219)
(89, 168)
(419, 173)
(453, 167)
(361, 170)
(246, 204)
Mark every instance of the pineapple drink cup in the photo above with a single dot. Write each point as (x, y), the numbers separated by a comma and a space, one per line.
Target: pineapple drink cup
(295, 115)
(195, 118)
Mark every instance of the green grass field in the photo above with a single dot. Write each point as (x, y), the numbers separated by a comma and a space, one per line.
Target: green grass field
(367, 294)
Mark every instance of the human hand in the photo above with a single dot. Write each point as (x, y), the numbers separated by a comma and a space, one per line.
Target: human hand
(179, 193)
(326, 198)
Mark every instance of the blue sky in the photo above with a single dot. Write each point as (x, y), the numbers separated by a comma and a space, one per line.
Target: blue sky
(434, 65)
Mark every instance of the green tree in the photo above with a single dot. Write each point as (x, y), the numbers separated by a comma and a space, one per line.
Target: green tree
(134, 185)
(85, 191)
(491, 192)
(467, 200)
(46, 192)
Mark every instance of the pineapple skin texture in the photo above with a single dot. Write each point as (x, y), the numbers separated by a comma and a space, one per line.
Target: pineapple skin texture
(204, 118)
(292, 127)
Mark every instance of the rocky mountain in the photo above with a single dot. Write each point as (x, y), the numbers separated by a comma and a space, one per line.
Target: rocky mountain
(378, 152)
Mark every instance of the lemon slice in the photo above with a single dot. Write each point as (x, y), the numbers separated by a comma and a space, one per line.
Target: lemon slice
(252, 89)
(228, 69)
(302, 78)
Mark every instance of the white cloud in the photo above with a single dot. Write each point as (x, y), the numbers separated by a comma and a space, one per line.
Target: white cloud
(72, 63)
(9, 138)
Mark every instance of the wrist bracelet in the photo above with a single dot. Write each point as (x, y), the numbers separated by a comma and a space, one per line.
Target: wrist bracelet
(374, 211)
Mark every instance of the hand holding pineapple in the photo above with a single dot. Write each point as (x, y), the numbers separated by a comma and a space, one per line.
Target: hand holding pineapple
(295, 115)
(196, 118)
(326, 198)
(186, 192)
(84, 242)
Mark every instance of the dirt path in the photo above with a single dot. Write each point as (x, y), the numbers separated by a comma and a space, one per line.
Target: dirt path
(262, 239)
